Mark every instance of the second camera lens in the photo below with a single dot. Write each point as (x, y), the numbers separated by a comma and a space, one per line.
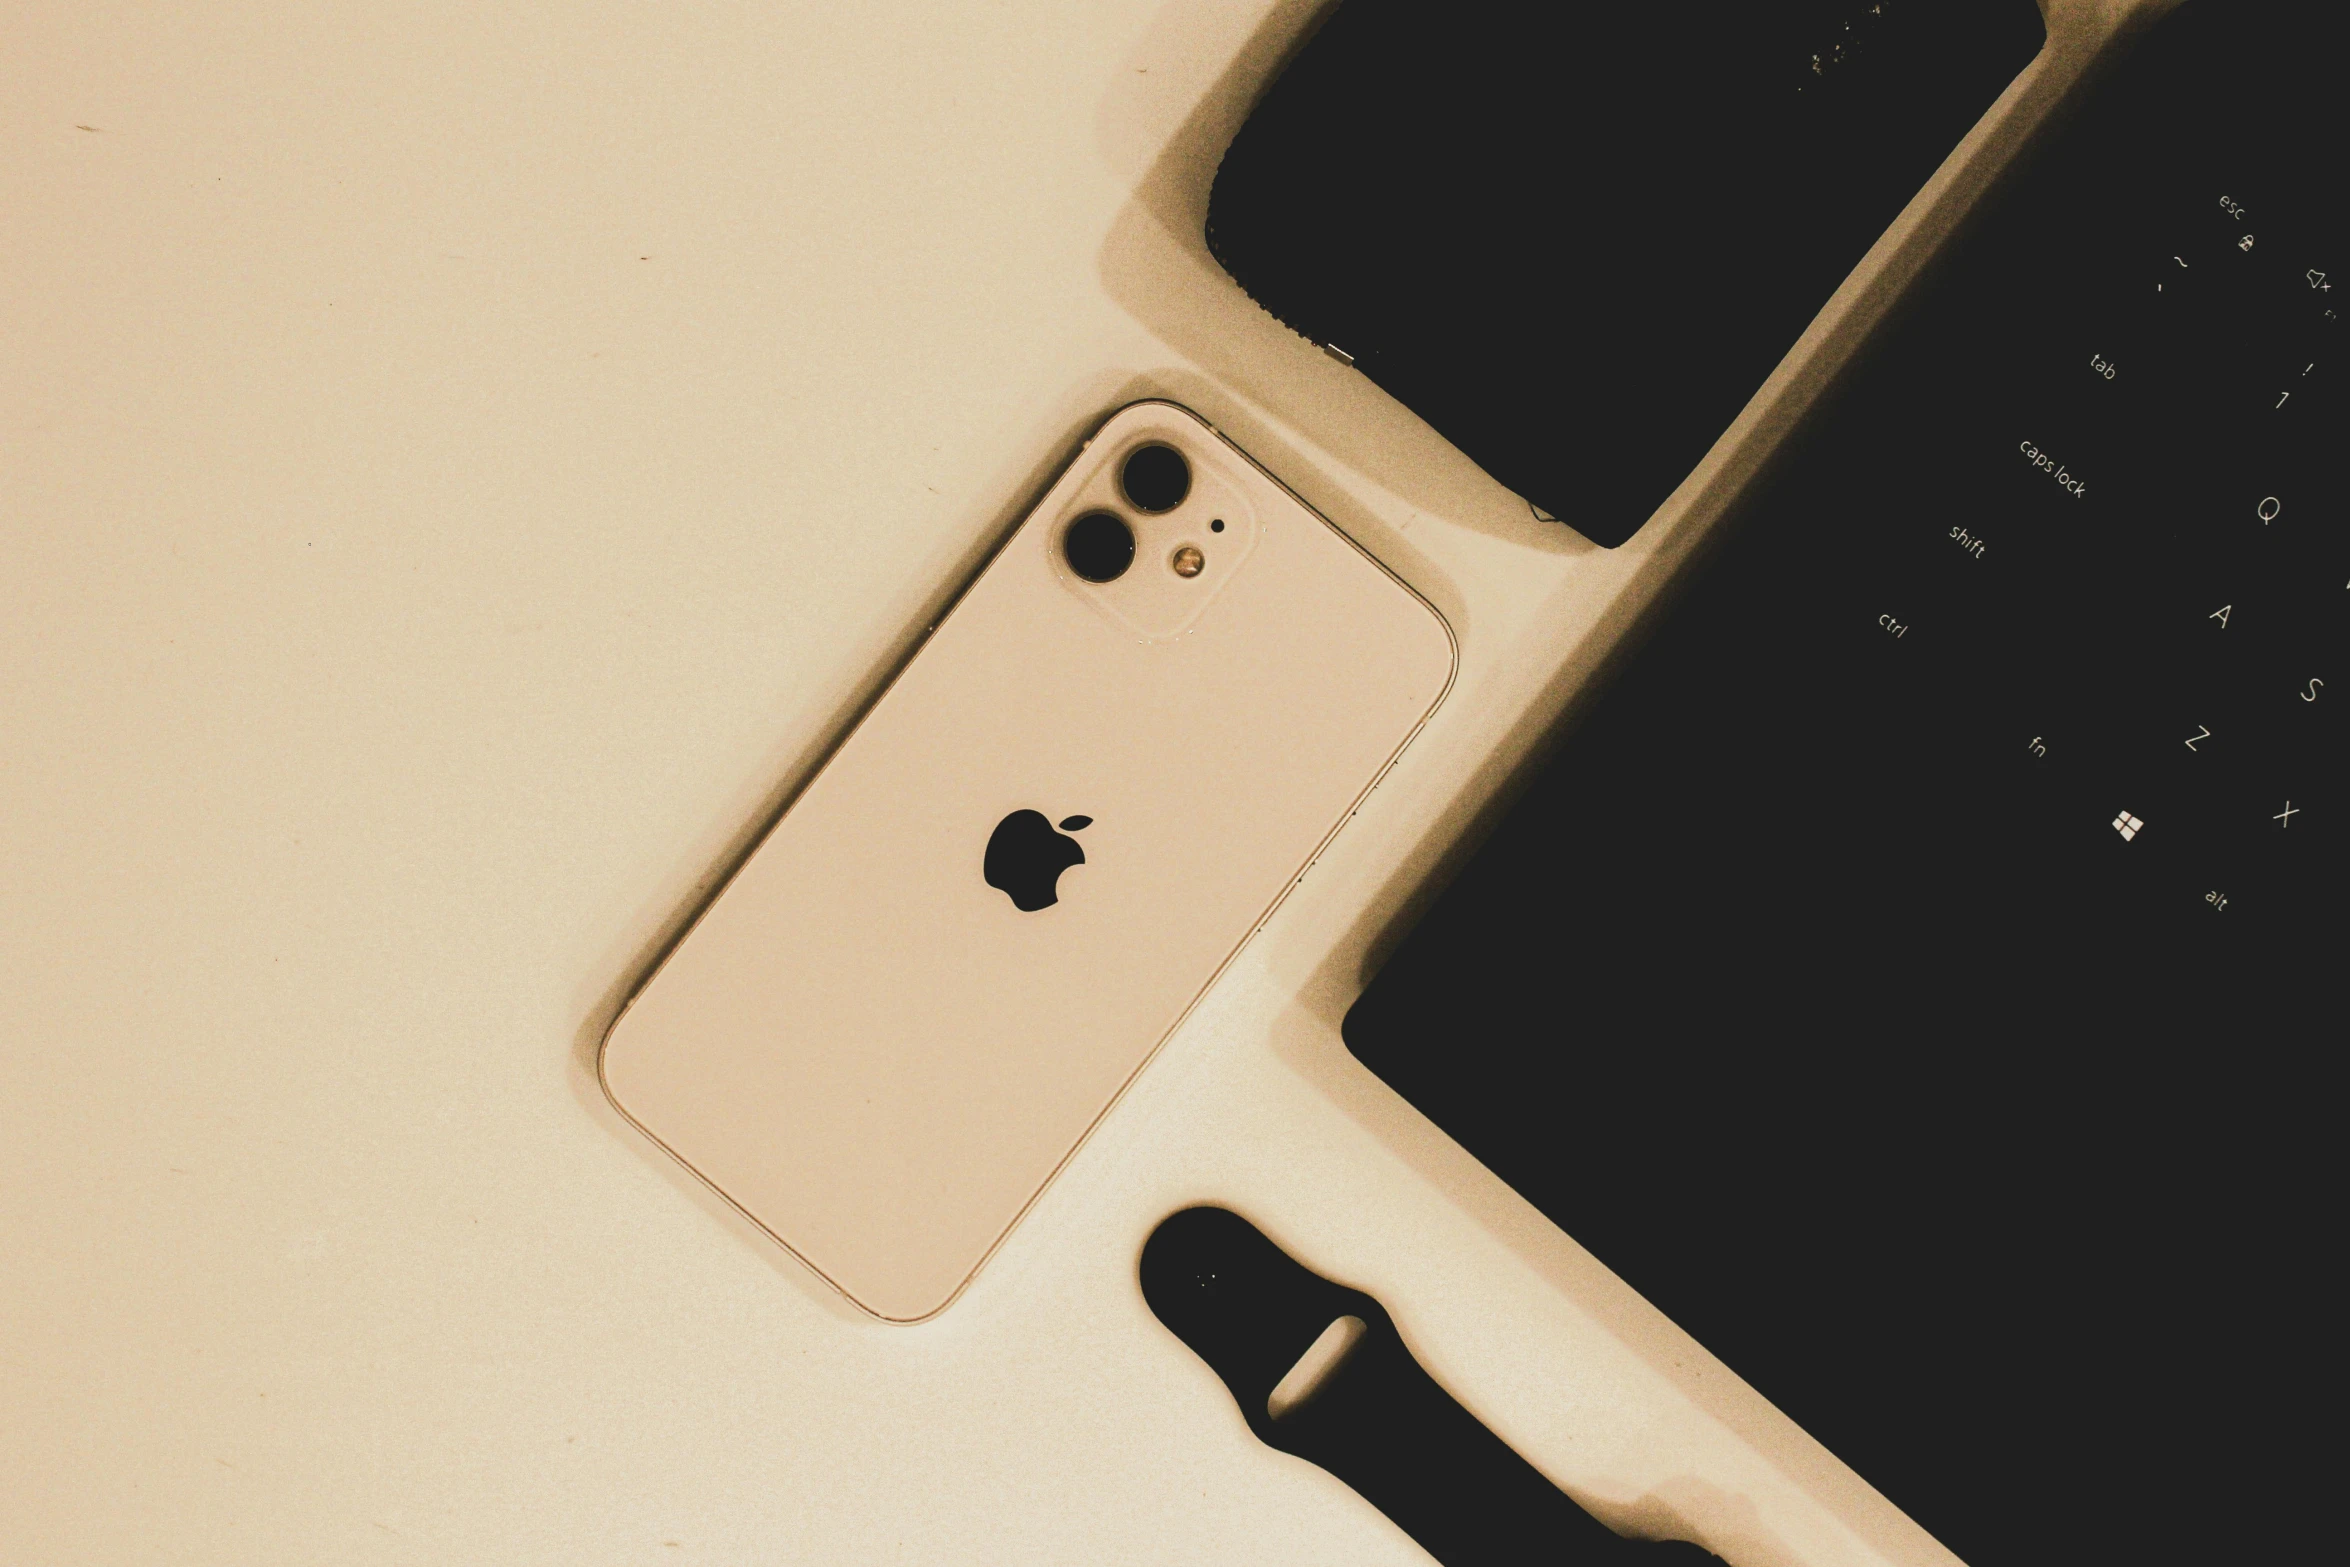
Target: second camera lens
(1099, 546)
(1155, 478)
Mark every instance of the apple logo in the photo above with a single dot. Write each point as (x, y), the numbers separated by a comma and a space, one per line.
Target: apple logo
(1025, 858)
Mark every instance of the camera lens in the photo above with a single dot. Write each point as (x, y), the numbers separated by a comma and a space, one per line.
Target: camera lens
(1156, 478)
(1099, 546)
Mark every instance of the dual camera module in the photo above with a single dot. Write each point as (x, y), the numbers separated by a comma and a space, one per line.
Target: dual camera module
(1099, 546)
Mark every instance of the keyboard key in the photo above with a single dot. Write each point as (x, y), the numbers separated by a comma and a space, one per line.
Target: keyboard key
(2110, 564)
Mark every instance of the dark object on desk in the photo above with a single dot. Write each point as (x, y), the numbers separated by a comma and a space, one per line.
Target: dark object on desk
(1576, 239)
(1917, 974)
(1320, 1373)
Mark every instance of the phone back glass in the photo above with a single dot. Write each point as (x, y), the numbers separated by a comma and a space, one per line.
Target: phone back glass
(871, 1050)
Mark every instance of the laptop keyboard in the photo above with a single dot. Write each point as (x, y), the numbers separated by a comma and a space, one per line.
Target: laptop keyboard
(2109, 535)
(1912, 971)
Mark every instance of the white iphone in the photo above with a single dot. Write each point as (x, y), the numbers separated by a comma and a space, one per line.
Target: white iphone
(1094, 779)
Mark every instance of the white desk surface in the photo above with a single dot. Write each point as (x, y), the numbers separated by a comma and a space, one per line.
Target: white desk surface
(458, 466)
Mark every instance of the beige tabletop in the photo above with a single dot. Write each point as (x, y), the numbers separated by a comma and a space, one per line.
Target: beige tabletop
(459, 465)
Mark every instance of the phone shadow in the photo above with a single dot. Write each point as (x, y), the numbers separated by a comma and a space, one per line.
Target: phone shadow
(1154, 263)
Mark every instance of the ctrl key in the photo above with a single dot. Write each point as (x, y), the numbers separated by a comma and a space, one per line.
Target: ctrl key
(1892, 638)
(1905, 622)
(1898, 622)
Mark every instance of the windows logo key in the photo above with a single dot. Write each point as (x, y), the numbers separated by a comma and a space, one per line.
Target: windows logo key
(2127, 825)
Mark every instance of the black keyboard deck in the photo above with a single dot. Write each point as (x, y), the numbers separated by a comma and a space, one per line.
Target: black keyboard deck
(1917, 971)
(2105, 520)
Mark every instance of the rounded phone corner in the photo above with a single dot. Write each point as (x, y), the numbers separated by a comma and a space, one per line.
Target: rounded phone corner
(1452, 651)
(904, 1307)
(606, 1085)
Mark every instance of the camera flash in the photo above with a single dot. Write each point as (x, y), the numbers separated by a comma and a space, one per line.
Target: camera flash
(1188, 561)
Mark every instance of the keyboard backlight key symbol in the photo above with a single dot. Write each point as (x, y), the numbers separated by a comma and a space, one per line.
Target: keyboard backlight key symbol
(2127, 825)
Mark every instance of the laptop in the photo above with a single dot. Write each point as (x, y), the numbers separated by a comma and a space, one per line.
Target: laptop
(1913, 968)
